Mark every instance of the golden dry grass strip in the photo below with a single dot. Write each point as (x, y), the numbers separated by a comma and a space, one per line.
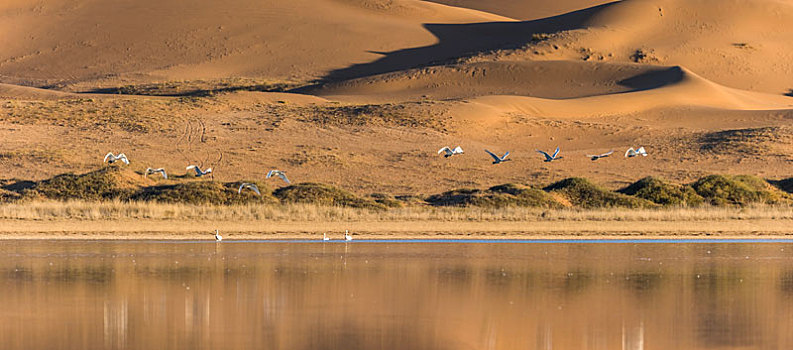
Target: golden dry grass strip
(145, 220)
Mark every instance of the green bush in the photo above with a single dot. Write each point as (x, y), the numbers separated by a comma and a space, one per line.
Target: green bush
(507, 195)
(664, 193)
(740, 190)
(110, 182)
(322, 194)
(386, 199)
(583, 193)
(204, 192)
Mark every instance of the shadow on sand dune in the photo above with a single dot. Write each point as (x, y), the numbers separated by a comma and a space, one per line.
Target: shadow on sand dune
(654, 79)
(456, 40)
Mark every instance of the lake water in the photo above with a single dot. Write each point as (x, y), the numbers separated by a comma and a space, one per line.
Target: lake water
(392, 295)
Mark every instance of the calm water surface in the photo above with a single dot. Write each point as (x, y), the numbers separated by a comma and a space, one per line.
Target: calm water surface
(166, 295)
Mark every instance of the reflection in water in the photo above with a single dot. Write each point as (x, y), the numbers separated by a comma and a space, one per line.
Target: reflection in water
(127, 295)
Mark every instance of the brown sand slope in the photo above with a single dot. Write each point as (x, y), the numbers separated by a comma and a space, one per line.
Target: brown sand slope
(106, 42)
(739, 43)
(689, 90)
(525, 9)
(704, 95)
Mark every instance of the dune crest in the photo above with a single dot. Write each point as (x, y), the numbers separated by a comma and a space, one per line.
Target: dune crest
(690, 90)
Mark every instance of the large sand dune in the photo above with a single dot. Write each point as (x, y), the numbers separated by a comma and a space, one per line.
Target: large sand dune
(381, 85)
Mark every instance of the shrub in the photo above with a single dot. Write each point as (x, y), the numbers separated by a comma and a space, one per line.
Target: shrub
(323, 194)
(581, 192)
(107, 183)
(496, 197)
(386, 199)
(204, 192)
(664, 193)
(738, 190)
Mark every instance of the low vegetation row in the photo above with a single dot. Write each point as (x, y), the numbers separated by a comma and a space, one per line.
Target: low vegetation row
(115, 183)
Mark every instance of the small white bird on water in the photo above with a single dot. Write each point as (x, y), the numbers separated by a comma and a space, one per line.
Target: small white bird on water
(218, 237)
(198, 171)
(550, 158)
(110, 158)
(325, 236)
(156, 171)
(347, 236)
(249, 185)
(278, 173)
(630, 153)
(497, 159)
(450, 152)
(598, 156)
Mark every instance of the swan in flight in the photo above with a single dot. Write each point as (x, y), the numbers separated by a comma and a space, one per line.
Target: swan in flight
(155, 171)
(218, 237)
(347, 236)
(630, 153)
(325, 236)
(497, 159)
(278, 173)
(550, 158)
(450, 152)
(110, 158)
(198, 171)
(598, 156)
(249, 185)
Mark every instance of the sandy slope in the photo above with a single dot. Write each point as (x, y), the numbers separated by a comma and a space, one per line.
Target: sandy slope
(68, 42)
(705, 94)
(525, 9)
(742, 44)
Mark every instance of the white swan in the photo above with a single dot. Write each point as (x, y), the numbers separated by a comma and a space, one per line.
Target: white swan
(155, 171)
(598, 156)
(347, 236)
(218, 237)
(198, 171)
(278, 173)
(630, 153)
(550, 158)
(450, 152)
(325, 236)
(110, 158)
(249, 185)
(497, 159)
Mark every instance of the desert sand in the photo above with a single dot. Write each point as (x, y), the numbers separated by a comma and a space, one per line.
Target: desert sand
(362, 93)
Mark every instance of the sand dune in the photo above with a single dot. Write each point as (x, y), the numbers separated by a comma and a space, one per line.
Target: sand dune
(545, 79)
(107, 43)
(742, 44)
(525, 9)
(383, 84)
(683, 89)
(18, 92)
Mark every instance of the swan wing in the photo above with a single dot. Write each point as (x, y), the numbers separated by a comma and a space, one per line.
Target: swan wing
(494, 156)
(283, 177)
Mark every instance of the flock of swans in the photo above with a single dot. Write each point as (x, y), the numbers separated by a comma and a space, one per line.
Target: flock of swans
(447, 152)
(630, 153)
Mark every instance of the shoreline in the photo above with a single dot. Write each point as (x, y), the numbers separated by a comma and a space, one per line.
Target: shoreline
(141, 229)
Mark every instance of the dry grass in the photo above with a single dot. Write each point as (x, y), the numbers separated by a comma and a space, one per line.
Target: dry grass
(114, 210)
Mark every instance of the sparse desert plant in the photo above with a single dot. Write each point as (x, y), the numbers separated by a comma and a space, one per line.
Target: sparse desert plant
(500, 196)
(738, 190)
(386, 199)
(583, 193)
(322, 194)
(664, 193)
(110, 182)
(204, 192)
